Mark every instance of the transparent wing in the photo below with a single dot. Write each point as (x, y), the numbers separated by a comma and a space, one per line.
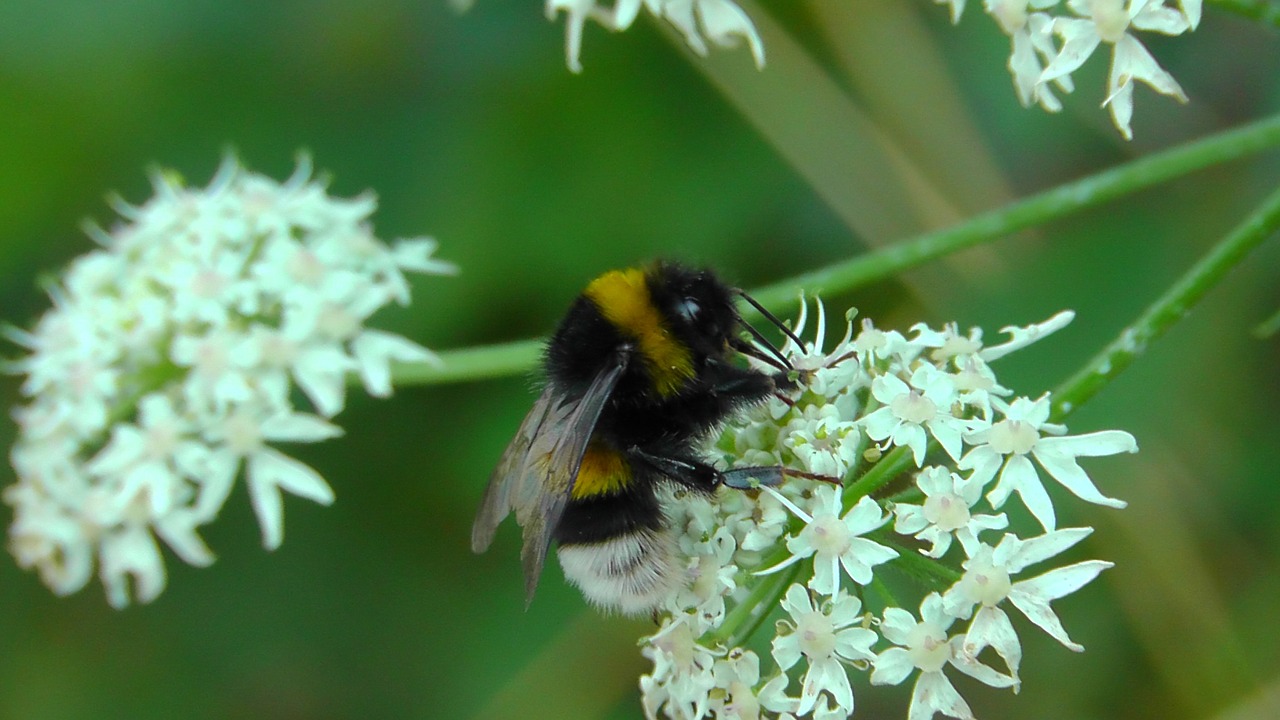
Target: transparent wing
(536, 473)
(511, 472)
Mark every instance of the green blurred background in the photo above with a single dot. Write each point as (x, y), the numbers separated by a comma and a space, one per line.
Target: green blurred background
(470, 128)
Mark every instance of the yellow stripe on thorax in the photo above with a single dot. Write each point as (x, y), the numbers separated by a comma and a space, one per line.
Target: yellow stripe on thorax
(603, 472)
(622, 296)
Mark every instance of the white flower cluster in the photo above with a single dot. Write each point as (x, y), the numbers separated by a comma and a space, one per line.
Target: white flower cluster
(818, 559)
(1037, 61)
(170, 360)
(720, 21)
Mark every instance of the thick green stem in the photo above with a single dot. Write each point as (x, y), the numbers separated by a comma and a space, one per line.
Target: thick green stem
(468, 364)
(1171, 307)
(481, 363)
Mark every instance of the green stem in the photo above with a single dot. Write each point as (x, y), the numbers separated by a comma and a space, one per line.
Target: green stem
(923, 568)
(745, 611)
(468, 364)
(1263, 11)
(480, 363)
(1040, 208)
(1171, 307)
(898, 461)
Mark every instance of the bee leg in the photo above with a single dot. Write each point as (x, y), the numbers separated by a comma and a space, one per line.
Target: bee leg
(692, 474)
(751, 477)
(703, 477)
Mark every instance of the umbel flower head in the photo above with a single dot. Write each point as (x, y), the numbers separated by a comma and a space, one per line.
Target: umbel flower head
(168, 365)
(920, 445)
(1049, 39)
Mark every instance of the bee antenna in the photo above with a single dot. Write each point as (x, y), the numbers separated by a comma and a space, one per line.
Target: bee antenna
(752, 351)
(771, 318)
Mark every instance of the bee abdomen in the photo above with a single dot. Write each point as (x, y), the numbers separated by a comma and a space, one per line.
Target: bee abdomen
(632, 573)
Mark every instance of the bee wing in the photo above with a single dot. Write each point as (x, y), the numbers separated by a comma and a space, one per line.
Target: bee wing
(512, 472)
(536, 472)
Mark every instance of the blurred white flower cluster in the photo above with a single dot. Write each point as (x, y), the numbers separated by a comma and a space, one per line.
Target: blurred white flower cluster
(720, 21)
(173, 358)
(820, 566)
(1037, 61)
(1048, 43)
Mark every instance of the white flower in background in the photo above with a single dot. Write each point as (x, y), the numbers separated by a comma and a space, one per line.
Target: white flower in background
(1110, 21)
(927, 647)
(826, 636)
(1031, 36)
(987, 582)
(1004, 447)
(168, 364)
(835, 542)
(946, 512)
(721, 22)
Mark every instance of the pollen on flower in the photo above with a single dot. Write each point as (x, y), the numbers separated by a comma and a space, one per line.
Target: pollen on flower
(1013, 437)
(928, 647)
(168, 363)
(914, 408)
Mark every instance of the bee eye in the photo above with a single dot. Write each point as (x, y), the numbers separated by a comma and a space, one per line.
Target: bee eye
(689, 308)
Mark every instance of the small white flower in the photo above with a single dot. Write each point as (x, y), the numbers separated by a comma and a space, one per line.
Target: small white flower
(826, 636)
(927, 647)
(831, 375)
(1030, 34)
(711, 575)
(835, 542)
(737, 674)
(1110, 21)
(822, 440)
(876, 346)
(683, 671)
(909, 408)
(987, 582)
(945, 512)
(1004, 447)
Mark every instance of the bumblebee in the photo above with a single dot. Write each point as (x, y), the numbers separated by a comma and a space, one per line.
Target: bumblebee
(639, 373)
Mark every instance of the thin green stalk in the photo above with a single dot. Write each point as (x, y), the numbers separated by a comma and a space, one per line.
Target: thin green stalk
(1040, 208)
(1171, 307)
(514, 358)
(745, 611)
(775, 596)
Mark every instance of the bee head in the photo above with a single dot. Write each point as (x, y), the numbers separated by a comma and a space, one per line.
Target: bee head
(697, 305)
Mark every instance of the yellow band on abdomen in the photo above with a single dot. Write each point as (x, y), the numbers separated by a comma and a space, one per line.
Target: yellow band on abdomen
(603, 472)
